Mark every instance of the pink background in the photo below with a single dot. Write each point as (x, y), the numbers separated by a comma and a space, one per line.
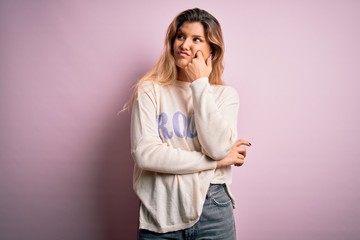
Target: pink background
(66, 68)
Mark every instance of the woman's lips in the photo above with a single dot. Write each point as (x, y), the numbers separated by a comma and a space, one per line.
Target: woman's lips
(183, 54)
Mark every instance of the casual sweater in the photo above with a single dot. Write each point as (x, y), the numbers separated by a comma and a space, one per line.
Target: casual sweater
(177, 134)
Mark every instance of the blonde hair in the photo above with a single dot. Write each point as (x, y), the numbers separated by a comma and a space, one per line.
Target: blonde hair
(165, 70)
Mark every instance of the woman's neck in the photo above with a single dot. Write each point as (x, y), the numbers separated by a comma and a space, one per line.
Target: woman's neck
(182, 76)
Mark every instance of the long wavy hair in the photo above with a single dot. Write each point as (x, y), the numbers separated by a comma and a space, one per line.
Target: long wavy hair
(165, 71)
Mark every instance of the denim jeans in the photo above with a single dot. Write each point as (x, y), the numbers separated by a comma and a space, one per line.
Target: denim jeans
(216, 221)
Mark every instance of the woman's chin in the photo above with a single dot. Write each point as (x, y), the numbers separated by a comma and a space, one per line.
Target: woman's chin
(182, 63)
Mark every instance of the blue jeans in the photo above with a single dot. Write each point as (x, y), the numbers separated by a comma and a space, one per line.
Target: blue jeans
(216, 221)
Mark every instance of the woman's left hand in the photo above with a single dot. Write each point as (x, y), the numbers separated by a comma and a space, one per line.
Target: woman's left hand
(198, 68)
(235, 156)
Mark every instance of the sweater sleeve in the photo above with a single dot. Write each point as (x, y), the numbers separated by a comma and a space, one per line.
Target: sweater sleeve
(150, 152)
(216, 121)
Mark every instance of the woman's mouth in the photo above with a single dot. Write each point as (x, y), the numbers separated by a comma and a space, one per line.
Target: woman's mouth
(183, 54)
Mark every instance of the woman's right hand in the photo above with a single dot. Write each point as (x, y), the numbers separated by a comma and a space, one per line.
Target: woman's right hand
(235, 156)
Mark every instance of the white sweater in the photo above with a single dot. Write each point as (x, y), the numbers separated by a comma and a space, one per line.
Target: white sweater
(177, 134)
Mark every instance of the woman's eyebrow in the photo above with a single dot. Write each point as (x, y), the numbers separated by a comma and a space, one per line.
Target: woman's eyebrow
(195, 35)
(198, 36)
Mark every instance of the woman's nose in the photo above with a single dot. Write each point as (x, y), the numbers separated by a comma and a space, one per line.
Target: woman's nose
(186, 45)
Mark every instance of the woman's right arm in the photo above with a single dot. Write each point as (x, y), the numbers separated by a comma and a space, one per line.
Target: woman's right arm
(150, 152)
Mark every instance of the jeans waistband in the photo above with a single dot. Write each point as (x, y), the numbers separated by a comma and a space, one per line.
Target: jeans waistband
(213, 188)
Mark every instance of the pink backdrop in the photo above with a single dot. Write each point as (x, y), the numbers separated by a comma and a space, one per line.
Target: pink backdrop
(66, 68)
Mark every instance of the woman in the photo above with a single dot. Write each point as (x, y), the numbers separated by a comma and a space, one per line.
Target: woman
(183, 136)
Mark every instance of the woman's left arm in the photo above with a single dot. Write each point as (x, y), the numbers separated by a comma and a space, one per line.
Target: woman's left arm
(215, 119)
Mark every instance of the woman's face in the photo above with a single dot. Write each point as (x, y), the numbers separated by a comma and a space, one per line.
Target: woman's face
(189, 39)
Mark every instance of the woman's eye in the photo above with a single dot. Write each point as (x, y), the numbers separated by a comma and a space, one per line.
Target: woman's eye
(197, 40)
(180, 36)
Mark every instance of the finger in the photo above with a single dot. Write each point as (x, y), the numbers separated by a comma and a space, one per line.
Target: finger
(240, 156)
(242, 142)
(242, 153)
(241, 149)
(209, 61)
(239, 163)
(199, 55)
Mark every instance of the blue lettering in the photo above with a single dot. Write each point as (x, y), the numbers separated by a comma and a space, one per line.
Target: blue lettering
(182, 125)
(191, 131)
(178, 116)
(162, 120)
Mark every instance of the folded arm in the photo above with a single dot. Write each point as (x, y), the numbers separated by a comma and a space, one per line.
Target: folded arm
(150, 152)
(215, 119)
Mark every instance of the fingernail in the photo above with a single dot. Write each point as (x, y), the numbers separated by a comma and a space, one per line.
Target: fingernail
(249, 144)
